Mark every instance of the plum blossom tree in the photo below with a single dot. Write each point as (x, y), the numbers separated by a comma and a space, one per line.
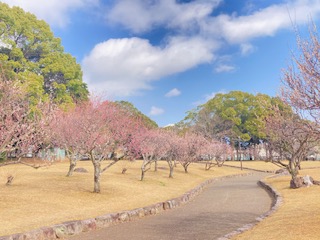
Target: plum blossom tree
(23, 129)
(150, 144)
(289, 135)
(147, 147)
(94, 129)
(301, 80)
(67, 136)
(191, 148)
(216, 153)
(172, 145)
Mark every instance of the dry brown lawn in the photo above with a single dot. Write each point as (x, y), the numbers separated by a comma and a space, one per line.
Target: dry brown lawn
(298, 218)
(262, 165)
(46, 196)
(259, 165)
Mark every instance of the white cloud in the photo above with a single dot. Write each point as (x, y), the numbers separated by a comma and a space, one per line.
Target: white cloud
(169, 125)
(55, 12)
(141, 15)
(224, 68)
(173, 93)
(125, 66)
(207, 97)
(246, 49)
(195, 18)
(156, 111)
(265, 22)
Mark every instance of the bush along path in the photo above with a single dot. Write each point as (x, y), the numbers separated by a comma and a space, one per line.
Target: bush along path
(223, 207)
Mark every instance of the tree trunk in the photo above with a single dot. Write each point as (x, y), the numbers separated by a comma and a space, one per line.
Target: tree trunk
(292, 169)
(185, 166)
(171, 166)
(143, 167)
(171, 172)
(73, 164)
(175, 163)
(97, 173)
(143, 170)
(142, 175)
(156, 166)
(9, 180)
(207, 166)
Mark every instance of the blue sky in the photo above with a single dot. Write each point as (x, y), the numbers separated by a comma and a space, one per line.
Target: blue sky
(168, 56)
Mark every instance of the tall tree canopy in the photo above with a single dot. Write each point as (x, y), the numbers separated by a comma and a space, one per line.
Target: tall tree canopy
(148, 122)
(235, 114)
(30, 52)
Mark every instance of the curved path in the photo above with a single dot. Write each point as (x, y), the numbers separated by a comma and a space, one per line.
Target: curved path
(222, 207)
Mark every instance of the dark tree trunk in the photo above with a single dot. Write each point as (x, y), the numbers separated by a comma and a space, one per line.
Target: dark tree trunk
(142, 175)
(185, 166)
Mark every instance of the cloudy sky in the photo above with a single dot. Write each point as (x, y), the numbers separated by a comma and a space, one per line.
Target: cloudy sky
(168, 56)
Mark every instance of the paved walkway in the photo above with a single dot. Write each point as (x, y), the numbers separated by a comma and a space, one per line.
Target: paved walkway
(222, 207)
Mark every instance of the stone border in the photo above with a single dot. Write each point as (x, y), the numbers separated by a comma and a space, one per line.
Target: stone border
(277, 201)
(71, 228)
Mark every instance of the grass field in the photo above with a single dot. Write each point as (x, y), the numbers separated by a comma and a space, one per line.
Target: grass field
(262, 165)
(298, 218)
(46, 196)
(259, 165)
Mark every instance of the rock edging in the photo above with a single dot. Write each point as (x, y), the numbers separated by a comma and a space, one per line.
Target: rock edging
(277, 201)
(67, 229)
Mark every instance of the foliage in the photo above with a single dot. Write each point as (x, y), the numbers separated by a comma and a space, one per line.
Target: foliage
(30, 52)
(135, 112)
(233, 117)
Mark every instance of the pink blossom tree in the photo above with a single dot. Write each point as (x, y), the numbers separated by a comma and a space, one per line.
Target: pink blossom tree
(67, 136)
(23, 130)
(150, 144)
(301, 80)
(147, 147)
(216, 153)
(289, 136)
(191, 148)
(94, 129)
(172, 149)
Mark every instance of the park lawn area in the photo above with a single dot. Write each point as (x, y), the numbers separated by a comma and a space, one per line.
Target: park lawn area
(259, 165)
(45, 196)
(297, 218)
(262, 165)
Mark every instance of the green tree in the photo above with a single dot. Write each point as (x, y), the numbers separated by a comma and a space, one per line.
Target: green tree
(237, 116)
(30, 53)
(148, 122)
